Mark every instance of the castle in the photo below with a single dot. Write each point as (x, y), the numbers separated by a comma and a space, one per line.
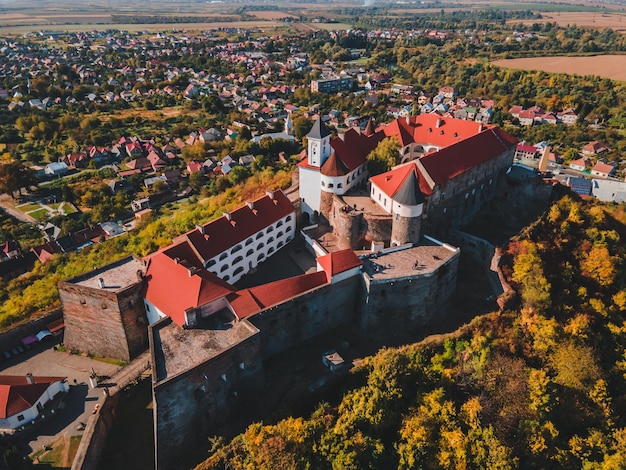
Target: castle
(448, 170)
(209, 339)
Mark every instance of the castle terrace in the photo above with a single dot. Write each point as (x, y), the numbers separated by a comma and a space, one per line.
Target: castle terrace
(420, 260)
(177, 350)
(112, 277)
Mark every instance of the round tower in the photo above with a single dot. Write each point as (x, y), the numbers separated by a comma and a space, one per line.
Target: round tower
(408, 203)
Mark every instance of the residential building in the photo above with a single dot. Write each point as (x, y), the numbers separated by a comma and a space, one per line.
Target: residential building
(24, 399)
(332, 85)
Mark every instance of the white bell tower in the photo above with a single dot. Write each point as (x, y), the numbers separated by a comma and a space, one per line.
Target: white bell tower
(319, 144)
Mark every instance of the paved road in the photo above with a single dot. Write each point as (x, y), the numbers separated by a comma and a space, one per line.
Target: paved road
(7, 203)
(80, 401)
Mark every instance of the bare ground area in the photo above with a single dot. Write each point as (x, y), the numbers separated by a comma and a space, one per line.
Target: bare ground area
(587, 19)
(7, 203)
(606, 66)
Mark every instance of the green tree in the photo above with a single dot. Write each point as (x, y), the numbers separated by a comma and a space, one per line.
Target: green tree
(238, 174)
(384, 156)
(14, 176)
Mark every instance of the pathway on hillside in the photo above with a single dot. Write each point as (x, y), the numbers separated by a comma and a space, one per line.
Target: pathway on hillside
(6, 202)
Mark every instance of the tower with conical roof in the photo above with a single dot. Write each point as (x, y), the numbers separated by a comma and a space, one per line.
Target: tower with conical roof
(407, 211)
(318, 144)
(398, 193)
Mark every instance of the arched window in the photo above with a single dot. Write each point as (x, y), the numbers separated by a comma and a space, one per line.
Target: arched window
(238, 270)
(249, 241)
(224, 268)
(270, 240)
(280, 245)
(226, 278)
(288, 229)
(249, 252)
(288, 219)
(330, 185)
(235, 249)
(279, 234)
(238, 259)
(260, 257)
(259, 235)
(280, 222)
(270, 251)
(211, 262)
(323, 184)
(259, 246)
(269, 229)
(339, 185)
(223, 256)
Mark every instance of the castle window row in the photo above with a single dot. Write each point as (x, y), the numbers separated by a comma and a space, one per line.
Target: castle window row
(232, 269)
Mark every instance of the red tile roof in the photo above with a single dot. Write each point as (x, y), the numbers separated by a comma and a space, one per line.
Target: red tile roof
(603, 168)
(244, 304)
(17, 395)
(526, 148)
(353, 149)
(333, 166)
(253, 300)
(391, 181)
(432, 129)
(175, 285)
(338, 262)
(221, 234)
(456, 159)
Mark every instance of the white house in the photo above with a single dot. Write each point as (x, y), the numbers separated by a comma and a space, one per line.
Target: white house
(608, 190)
(24, 398)
(56, 169)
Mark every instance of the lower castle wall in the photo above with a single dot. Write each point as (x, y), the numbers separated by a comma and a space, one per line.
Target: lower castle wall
(193, 405)
(396, 307)
(302, 318)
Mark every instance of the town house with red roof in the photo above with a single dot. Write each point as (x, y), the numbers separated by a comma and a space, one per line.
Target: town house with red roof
(24, 398)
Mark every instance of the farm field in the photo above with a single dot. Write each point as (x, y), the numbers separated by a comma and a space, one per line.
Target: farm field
(605, 66)
(270, 15)
(154, 27)
(616, 22)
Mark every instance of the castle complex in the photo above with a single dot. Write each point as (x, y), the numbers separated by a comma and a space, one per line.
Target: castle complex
(375, 268)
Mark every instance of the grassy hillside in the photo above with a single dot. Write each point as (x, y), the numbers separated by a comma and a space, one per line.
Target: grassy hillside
(541, 386)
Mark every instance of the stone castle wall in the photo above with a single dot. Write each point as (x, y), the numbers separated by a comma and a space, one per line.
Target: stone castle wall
(357, 229)
(307, 316)
(406, 230)
(401, 306)
(94, 322)
(193, 405)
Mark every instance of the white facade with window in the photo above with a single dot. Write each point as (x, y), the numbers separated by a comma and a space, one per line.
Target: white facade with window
(232, 264)
(27, 416)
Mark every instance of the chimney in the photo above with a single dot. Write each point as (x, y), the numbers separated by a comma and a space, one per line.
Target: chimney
(439, 123)
(177, 260)
(30, 379)
(480, 127)
(227, 215)
(270, 194)
(200, 229)
(408, 120)
(139, 275)
(101, 282)
(250, 204)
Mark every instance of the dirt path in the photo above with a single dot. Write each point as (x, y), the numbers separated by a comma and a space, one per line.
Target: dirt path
(6, 202)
